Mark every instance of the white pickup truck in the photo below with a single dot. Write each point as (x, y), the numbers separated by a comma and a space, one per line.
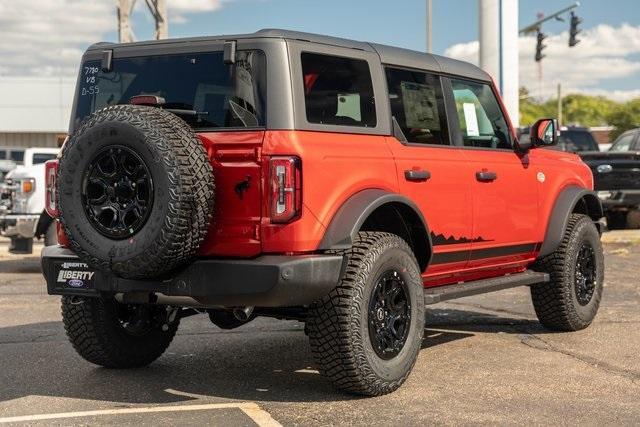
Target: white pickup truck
(22, 198)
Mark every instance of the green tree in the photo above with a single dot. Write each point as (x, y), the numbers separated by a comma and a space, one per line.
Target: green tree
(624, 117)
(582, 110)
(585, 110)
(532, 110)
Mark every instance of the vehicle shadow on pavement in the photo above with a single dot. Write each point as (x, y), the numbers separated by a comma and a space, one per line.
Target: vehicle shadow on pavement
(270, 361)
(467, 322)
(267, 364)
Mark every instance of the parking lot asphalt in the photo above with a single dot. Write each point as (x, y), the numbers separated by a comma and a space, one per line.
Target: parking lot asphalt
(485, 360)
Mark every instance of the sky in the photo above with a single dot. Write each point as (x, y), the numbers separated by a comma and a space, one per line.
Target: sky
(47, 37)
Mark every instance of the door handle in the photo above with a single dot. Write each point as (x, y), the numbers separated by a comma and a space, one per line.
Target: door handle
(486, 176)
(416, 175)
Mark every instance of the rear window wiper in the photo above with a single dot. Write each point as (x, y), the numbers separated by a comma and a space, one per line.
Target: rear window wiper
(185, 112)
(159, 101)
(193, 115)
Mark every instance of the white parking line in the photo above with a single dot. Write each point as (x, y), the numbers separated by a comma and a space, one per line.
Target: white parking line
(252, 410)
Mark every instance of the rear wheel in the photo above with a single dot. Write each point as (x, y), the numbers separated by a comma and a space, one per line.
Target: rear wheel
(570, 301)
(114, 335)
(365, 335)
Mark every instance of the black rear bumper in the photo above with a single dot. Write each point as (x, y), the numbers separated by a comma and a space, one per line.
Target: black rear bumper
(266, 281)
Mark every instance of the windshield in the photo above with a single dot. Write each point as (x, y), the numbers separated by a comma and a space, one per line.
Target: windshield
(213, 94)
(577, 140)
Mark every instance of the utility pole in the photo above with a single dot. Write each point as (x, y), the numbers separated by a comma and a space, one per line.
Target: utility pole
(429, 27)
(125, 34)
(498, 35)
(157, 8)
(559, 105)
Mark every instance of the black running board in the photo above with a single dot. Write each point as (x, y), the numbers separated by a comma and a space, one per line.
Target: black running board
(466, 289)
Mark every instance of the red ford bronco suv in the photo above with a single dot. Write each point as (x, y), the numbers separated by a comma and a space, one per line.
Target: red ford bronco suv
(340, 183)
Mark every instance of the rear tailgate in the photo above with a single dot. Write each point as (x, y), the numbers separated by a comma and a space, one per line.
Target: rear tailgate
(614, 170)
(235, 227)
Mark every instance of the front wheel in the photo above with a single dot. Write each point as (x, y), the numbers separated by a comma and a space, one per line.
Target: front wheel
(570, 300)
(114, 335)
(366, 334)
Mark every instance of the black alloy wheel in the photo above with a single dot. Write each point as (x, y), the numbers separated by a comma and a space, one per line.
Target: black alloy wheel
(117, 192)
(366, 334)
(585, 274)
(389, 315)
(569, 301)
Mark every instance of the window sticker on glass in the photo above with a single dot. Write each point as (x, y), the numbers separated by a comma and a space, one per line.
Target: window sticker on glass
(420, 106)
(471, 119)
(349, 106)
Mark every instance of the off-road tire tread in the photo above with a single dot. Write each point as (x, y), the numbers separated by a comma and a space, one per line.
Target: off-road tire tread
(553, 301)
(90, 329)
(334, 336)
(191, 190)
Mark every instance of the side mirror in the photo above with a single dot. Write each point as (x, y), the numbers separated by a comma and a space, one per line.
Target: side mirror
(544, 133)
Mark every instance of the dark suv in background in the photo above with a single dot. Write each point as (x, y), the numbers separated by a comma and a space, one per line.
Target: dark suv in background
(576, 140)
(617, 179)
(616, 172)
(572, 139)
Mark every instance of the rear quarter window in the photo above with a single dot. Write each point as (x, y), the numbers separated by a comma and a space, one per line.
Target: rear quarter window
(338, 91)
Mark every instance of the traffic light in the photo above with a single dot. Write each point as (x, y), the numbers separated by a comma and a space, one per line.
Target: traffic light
(574, 30)
(541, 36)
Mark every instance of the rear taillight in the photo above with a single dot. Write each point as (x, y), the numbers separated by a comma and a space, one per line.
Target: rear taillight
(285, 188)
(51, 199)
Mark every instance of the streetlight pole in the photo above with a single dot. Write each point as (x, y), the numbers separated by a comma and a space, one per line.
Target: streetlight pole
(559, 105)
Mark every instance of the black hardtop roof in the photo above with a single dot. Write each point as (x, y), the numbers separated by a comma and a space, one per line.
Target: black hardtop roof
(388, 54)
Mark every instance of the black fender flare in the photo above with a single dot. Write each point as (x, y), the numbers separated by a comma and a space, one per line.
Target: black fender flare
(564, 206)
(345, 224)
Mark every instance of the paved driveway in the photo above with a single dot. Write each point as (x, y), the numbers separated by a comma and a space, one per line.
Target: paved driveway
(485, 360)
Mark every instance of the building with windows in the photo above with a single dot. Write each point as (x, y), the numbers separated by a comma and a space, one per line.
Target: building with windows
(34, 112)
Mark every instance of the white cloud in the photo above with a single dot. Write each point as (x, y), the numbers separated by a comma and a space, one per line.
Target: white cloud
(604, 53)
(47, 37)
(190, 6)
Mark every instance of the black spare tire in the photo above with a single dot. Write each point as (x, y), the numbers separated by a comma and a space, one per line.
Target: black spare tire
(136, 191)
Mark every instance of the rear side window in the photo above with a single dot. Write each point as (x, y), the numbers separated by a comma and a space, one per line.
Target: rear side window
(338, 91)
(417, 106)
(482, 122)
